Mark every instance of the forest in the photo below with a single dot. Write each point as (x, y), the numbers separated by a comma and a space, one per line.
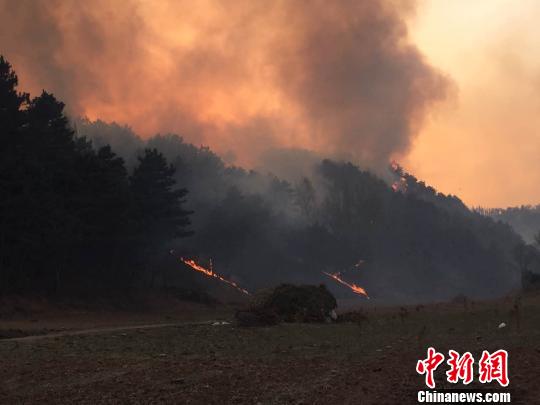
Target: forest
(90, 208)
(525, 219)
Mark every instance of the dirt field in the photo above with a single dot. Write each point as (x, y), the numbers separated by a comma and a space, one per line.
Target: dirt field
(370, 360)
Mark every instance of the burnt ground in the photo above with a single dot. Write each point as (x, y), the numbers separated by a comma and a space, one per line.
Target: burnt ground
(370, 359)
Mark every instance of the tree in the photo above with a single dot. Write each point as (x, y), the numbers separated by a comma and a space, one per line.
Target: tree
(305, 199)
(53, 185)
(12, 104)
(102, 203)
(157, 206)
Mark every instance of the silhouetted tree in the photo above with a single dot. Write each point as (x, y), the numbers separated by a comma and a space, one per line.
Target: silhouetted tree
(12, 187)
(304, 198)
(157, 202)
(157, 206)
(12, 102)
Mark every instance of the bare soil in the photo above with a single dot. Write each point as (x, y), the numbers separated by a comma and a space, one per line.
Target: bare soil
(125, 358)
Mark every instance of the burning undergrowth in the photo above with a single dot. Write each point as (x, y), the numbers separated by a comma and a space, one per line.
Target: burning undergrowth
(352, 286)
(284, 303)
(289, 303)
(209, 272)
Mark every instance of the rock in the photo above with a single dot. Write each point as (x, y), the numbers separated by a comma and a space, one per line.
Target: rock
(218, 323)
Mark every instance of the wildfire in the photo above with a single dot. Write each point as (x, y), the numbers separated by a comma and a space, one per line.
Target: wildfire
(210, 273)
(401, 183)
(355, 288)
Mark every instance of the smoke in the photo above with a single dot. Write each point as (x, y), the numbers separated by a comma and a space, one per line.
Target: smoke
(336, 78)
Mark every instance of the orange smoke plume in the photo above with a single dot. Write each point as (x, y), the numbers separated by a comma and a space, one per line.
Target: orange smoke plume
(243, 76)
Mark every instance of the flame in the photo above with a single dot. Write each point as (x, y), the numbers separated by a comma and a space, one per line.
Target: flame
(355, 288)
(210, 273)
(401, 183)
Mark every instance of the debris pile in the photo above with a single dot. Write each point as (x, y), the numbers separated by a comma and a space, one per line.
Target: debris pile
(289, 303)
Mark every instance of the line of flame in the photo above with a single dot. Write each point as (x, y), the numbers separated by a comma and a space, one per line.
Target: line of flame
(195, 266)
(355, 288)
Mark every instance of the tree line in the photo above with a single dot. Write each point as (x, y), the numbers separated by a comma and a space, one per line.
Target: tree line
(70, 214)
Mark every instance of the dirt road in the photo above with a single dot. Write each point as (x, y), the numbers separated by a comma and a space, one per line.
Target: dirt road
(96, 331)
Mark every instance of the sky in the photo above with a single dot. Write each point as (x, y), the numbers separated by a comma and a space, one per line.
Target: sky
(449, 89)
(483, 144)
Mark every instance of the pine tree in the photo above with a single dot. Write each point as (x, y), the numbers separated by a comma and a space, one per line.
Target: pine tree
(158, 212)
(158, 205)
(12, 102)
(12, 114)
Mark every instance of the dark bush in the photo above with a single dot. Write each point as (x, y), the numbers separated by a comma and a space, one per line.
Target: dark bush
(530, 281)
(288, 303)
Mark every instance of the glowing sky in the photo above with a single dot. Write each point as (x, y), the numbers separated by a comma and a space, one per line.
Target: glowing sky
(484, 143)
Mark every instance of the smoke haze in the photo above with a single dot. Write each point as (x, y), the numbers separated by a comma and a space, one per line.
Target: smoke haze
(243, 77)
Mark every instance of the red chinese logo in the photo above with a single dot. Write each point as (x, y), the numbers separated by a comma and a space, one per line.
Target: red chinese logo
(461, 368)
(494, 367)
(491, 367)
(429, 365)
